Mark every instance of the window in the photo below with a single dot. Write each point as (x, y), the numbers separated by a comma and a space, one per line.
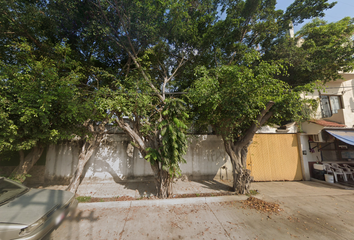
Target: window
(330, 105)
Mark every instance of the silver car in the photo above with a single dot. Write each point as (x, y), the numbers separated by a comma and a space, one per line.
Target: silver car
(31, 213)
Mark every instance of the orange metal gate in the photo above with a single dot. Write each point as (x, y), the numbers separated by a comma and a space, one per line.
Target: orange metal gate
(274, 157)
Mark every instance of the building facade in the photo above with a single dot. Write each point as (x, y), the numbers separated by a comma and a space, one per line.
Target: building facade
(329, 136)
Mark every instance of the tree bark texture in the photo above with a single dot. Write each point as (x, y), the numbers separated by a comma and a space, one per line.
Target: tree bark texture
(163, 181)
(87, 150)
(238, 150)
(27, 162)
(241, 179)
(241, 175)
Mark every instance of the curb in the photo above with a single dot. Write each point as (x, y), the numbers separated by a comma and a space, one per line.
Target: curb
(162, 202)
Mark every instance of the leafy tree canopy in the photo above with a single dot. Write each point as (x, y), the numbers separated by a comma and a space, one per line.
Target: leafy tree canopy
(40, 102)
(133, 55)
(242, 88)
(231, 97)
(320, 51)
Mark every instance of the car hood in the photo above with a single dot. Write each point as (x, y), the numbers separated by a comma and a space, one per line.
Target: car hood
(31, 206)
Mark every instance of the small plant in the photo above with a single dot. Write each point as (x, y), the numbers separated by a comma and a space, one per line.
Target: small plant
(101, 200)
(83, 199)
(20, 178)
(197, 194)
(252, 192)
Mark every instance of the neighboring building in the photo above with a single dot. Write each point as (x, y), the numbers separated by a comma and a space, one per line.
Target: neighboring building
(329, 137)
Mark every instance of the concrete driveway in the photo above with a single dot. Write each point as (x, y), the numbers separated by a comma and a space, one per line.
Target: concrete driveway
(311, 210)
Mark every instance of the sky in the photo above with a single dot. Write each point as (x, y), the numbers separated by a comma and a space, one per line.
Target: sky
(343, 8)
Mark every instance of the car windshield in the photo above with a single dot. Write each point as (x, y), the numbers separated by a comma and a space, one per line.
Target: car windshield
(10, 189)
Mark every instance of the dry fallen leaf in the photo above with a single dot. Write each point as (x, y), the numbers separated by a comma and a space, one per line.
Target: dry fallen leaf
(261, 205)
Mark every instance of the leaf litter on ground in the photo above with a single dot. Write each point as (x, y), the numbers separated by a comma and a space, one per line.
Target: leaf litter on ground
(261, 205)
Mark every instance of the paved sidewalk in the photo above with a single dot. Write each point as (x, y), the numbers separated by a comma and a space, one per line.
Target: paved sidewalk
(311, 210)
(137, 189)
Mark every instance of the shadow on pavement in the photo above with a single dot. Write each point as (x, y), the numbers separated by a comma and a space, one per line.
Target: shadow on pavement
(71, 230)
(217, 185)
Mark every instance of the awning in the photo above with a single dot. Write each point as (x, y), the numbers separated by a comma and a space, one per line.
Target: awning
(346, 136)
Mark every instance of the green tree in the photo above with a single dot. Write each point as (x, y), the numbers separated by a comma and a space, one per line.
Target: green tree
(40, 103)
(173, 145)
(154, 41)
(241, 87)
(236, 100)
(256, 24)
(69, 77)
(319, 51)
(131, 57)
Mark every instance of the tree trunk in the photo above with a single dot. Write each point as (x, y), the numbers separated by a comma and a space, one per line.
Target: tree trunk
(86, 153)
(26, 163)
(241, 180)
(163, 181)
(238, 152)
(241, 175)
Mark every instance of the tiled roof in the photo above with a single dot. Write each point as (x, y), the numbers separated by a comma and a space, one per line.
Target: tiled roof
(326, 123)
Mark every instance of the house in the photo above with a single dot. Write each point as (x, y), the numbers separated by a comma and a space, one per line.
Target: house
(329, 136)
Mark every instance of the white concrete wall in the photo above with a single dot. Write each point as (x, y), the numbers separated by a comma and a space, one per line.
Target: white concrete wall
(348, 97)
(205, 156)
(61, 161)
(291, 128)
(309, 157)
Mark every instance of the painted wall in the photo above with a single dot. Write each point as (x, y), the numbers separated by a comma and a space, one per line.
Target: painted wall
(272, 157)
(290, 128)
(205, 157)
(310, 156)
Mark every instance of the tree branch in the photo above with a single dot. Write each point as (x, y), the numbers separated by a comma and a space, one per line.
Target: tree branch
(132, 55)
(261, 119)
(136, 138)
(38, 44)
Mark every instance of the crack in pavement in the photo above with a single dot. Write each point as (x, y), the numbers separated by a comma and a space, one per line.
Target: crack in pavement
(227, 234)
(125, 221)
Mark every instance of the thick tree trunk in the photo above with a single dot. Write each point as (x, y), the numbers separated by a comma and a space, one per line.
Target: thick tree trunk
(241, 175)
(241, 180)
(26, 163)
(238, 152)
(163, 181)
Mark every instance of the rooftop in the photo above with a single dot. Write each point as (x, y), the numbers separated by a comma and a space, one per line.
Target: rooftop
(326, 123)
